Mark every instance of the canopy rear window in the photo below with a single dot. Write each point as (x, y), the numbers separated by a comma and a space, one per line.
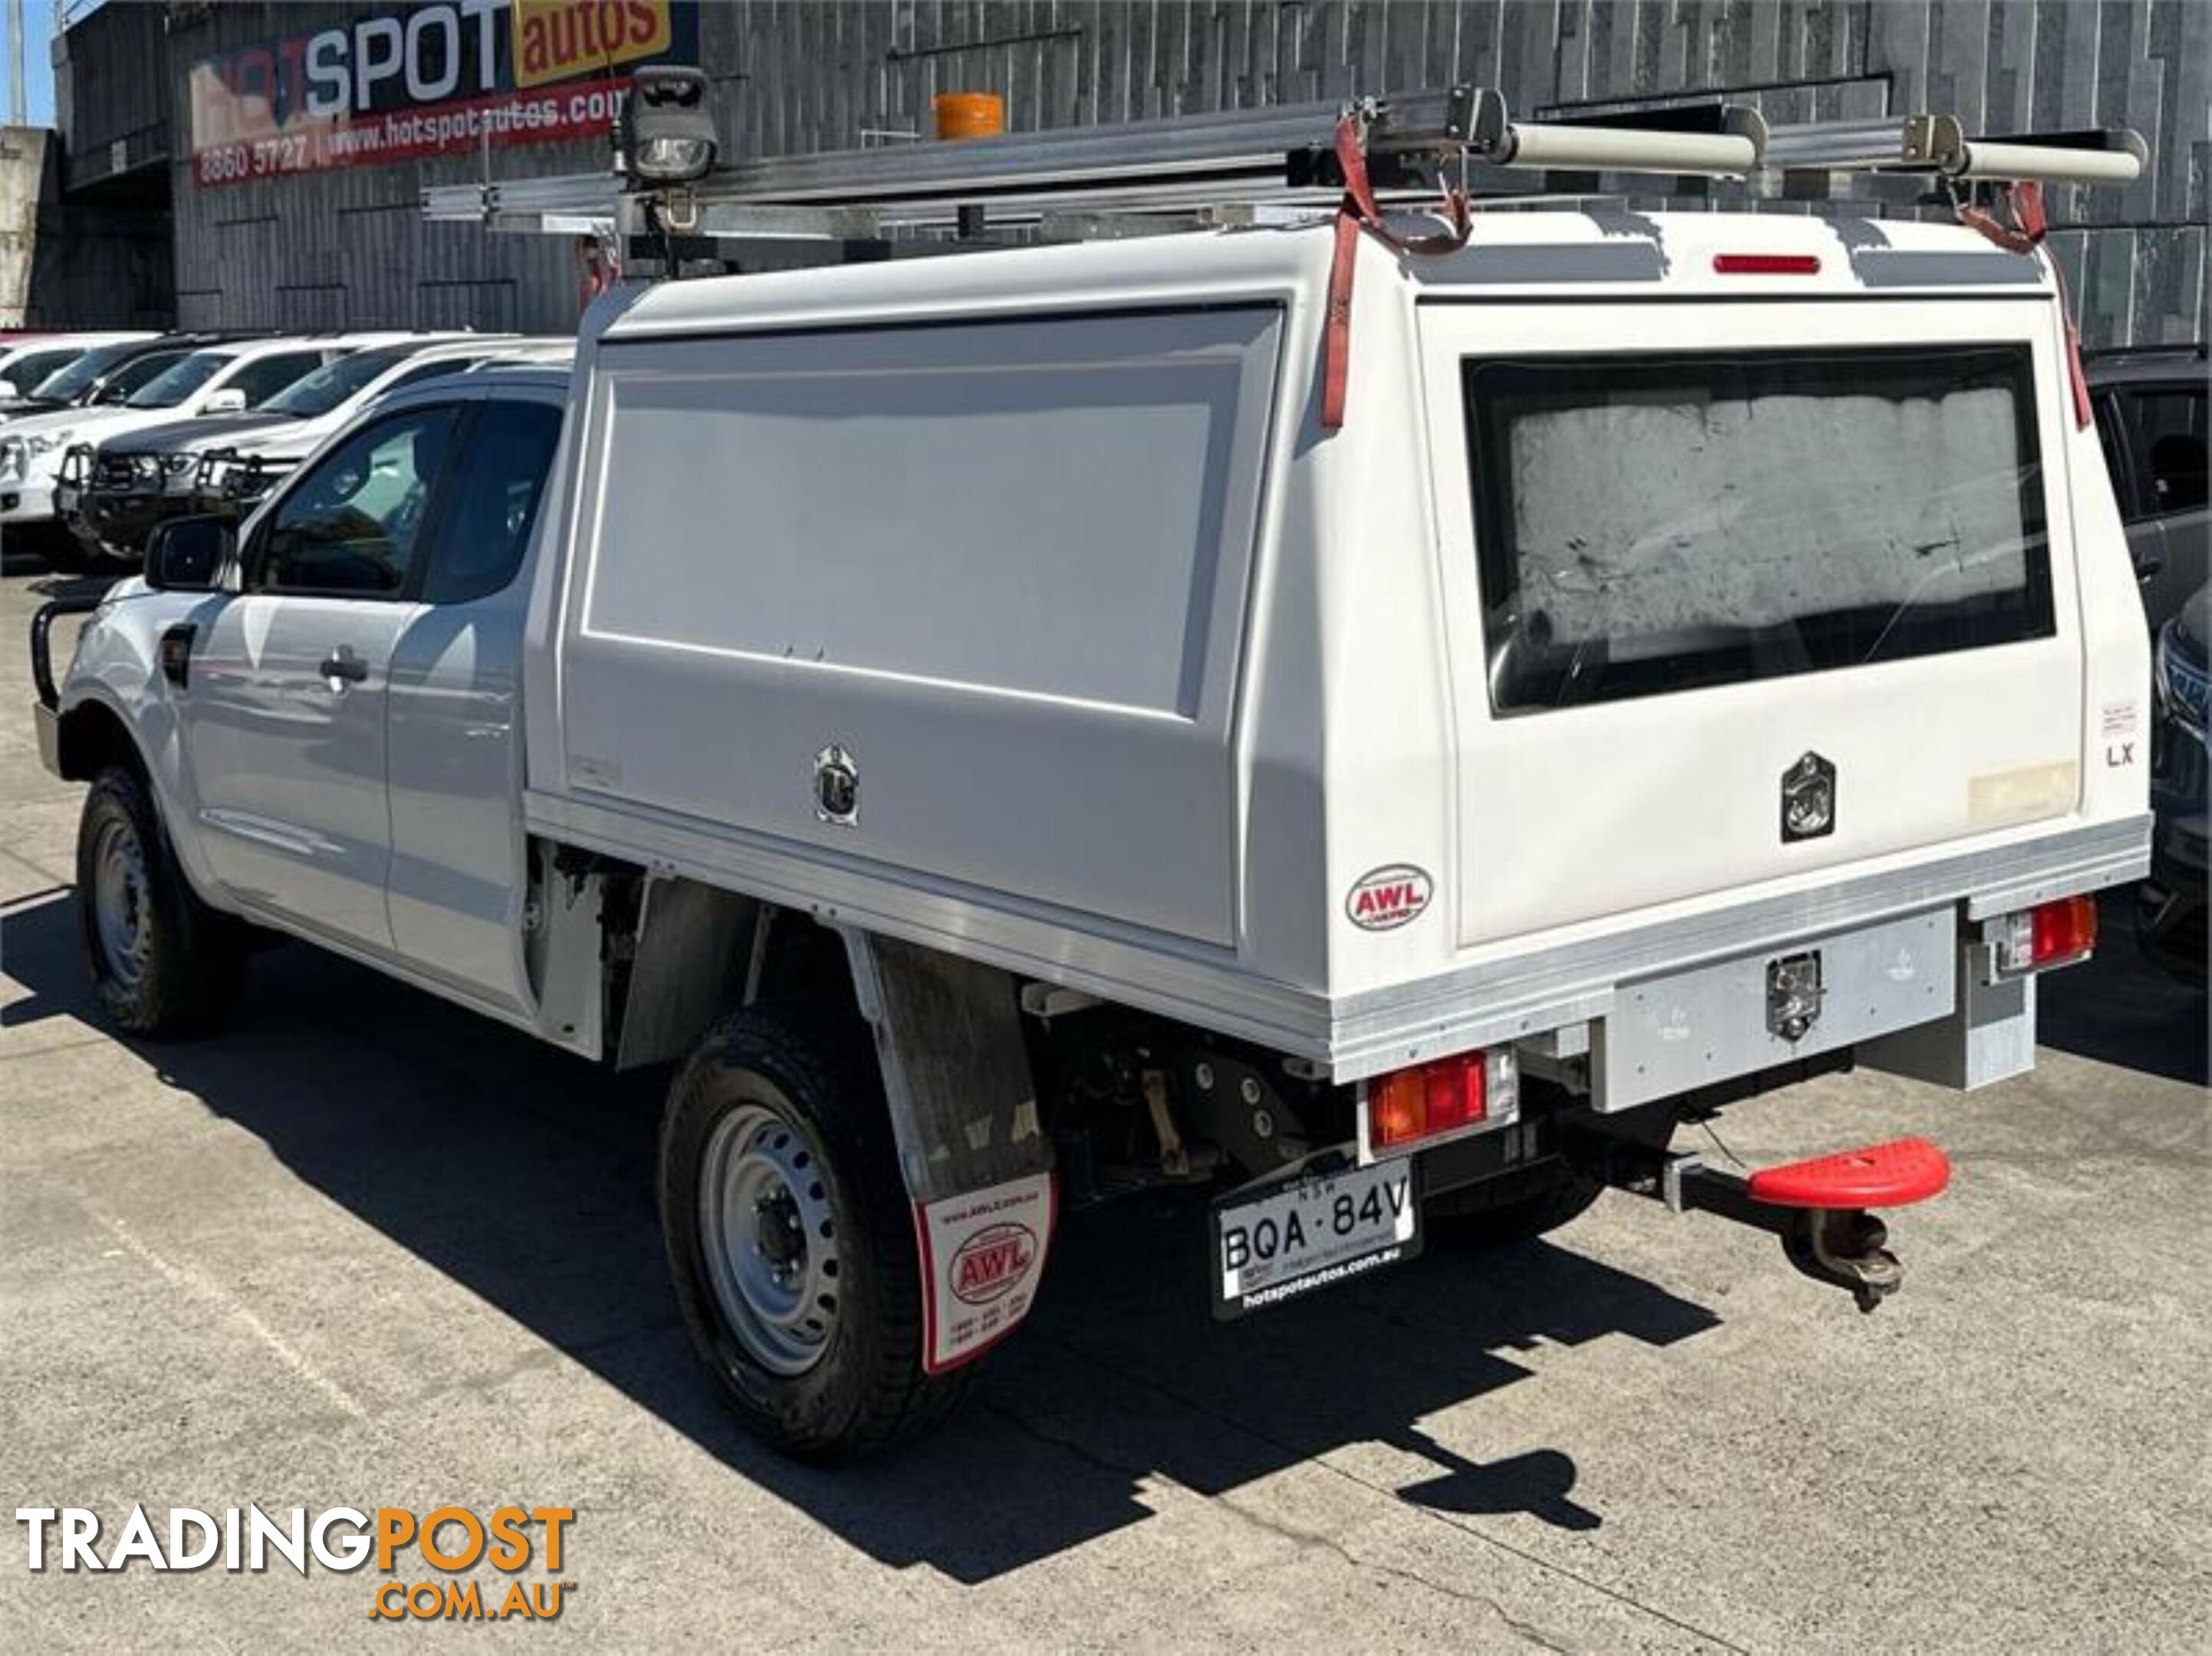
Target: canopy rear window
(1653, 523)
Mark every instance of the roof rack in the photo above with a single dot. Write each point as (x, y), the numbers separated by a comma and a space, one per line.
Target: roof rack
(1232, 166)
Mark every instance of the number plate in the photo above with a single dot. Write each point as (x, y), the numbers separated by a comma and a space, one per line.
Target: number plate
(1289, 1241)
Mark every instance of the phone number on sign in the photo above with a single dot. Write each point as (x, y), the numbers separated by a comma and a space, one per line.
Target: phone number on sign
(257, 160)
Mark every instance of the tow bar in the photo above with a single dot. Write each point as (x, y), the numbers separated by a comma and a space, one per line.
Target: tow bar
(1818, 1207)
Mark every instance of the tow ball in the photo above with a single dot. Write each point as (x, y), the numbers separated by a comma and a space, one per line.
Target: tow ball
(1818, 1207)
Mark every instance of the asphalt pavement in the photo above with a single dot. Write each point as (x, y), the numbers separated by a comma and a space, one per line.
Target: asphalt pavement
(365, 1249)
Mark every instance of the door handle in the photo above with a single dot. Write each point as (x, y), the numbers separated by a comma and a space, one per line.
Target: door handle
(342, 665)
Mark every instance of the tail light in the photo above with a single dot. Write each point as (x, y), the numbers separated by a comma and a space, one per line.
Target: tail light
(1452, 1096)
(2049, 934)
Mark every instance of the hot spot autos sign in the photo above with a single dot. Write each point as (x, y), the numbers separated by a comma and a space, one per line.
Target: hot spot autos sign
(448, 76)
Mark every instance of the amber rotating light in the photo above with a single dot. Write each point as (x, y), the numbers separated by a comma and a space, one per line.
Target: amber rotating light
(968, 114)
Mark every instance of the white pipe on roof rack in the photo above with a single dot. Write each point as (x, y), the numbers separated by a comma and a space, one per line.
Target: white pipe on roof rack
(1625, 149)
(1979, 160)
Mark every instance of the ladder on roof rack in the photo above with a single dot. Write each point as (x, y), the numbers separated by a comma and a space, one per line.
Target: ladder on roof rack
(1231, 165)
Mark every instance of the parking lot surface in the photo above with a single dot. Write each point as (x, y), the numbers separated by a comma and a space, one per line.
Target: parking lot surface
(366, 1249)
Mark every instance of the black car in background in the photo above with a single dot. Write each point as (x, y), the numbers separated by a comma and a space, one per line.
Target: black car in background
(2150, 405)
(2170, 905)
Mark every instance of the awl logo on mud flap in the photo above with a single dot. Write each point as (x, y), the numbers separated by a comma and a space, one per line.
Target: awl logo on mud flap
(993, 1263)
(982, 1253)
(1388, 897)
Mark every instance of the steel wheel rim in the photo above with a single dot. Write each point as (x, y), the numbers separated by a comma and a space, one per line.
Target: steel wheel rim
(769, 1236)
(121, 903)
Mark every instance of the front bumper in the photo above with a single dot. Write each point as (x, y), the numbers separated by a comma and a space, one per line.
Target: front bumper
(28, 501)
(119, 523)
(47, 722)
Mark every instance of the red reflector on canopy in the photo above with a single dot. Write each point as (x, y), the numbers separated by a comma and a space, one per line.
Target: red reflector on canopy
(1889, 1175)
(1766, 264)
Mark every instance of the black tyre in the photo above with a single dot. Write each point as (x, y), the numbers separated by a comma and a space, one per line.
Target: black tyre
(164, 963)
(790, 1241)
(1515, 1209)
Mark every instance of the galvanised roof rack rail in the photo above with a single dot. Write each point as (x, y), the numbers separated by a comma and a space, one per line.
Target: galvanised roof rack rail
(1938, 144)
(1228, 166)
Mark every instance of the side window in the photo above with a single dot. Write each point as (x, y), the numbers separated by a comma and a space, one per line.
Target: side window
(2169, 436)
(430, 371)
(495, 501)
(265, 376)
(136, 372)
(353, 523)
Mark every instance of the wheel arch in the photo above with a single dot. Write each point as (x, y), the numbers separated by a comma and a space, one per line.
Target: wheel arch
(93, 735)
(95, 731)
(961, 1099)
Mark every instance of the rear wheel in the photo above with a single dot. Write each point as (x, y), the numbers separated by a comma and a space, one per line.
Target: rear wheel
(163, 962)
(1515, 1209)
(791, 1241)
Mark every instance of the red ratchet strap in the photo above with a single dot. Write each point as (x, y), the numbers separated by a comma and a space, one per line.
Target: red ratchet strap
(1356, 213)
(2024, 205)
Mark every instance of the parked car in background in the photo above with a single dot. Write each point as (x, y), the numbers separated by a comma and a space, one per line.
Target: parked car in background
(2169, 911)
(242, 461)
(2151, 420)
(226, 465)
(223, 378)
(26, 360)
(104, 374)
(112, 497)
(103, 379)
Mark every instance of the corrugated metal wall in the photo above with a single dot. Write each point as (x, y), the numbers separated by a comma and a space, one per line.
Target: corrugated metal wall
(803, 75)
(806, 76)
(349, 248)
(110, 94)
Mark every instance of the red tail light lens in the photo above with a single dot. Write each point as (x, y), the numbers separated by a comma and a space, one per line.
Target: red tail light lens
(2050, 934)
(1767, 264)
(1429, 1101)
(2065, 929)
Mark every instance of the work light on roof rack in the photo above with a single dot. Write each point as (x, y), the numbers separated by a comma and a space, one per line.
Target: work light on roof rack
(668, 125)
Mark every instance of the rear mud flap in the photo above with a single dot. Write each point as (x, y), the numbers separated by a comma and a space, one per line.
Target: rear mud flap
(971, 1148)
(982, 1256)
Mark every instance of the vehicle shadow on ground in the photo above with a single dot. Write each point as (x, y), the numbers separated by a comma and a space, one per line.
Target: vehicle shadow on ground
(46, 548)
(526, 1176)
(2119, 1008)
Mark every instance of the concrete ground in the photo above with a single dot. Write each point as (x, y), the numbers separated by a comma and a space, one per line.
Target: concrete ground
(367, 1250)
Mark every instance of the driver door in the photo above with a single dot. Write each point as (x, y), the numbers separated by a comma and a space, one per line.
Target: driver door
(284, 709)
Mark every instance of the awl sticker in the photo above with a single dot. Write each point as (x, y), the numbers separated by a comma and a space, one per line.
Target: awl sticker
(1388, 897)
(982, 1256)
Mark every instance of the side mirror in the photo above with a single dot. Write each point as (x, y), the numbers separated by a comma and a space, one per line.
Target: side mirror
(108, 395)
(231, 401)
(186, 555)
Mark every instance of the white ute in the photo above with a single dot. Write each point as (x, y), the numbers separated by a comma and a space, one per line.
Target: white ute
(1377, 736)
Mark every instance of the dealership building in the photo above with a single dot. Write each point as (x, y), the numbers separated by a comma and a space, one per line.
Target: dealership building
(259, 165)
